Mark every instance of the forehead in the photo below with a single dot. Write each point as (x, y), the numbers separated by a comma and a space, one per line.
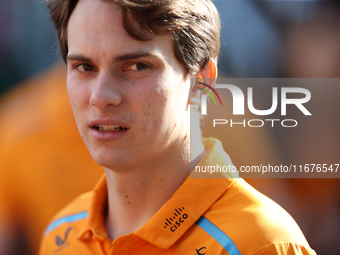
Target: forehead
(90, 13)
(96, 26)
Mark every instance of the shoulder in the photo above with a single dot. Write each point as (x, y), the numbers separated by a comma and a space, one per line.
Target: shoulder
(81, 203)
(66, 224)
(255, 223)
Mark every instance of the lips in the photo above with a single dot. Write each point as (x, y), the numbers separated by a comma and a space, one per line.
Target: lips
(107, 129)
(106, 124)
(112, 128)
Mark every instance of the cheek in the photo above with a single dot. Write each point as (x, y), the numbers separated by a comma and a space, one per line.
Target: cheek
(78, 94)
(149, 98)
(151, 108)
(79, 100)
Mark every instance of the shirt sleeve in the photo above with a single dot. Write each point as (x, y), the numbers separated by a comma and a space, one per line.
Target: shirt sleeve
(285, 249)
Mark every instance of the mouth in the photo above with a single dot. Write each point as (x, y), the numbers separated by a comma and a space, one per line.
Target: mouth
(109, 128)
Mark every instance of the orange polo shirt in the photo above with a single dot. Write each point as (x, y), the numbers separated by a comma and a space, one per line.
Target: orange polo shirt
(204, 216)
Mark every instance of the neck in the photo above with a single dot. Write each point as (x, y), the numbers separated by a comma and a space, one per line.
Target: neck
(134, 196)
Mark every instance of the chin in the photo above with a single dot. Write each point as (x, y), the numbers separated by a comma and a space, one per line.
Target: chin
(109, 160)
(101, 157)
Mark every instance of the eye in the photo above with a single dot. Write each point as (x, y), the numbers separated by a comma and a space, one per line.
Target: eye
(84, 68)
(137, 67)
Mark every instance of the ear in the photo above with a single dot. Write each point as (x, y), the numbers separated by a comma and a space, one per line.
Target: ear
(208, 76)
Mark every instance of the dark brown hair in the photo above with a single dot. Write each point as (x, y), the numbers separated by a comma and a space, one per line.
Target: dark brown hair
(193, 24)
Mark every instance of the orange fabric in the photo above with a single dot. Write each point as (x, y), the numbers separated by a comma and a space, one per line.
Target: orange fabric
(44, 163)
(252, 221)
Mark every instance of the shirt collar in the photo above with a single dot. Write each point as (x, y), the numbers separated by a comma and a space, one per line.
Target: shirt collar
(194, 197)
(95, 222)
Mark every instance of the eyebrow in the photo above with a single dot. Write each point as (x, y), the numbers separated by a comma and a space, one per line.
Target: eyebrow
(78, 58)
(121, 58)
(135, 55)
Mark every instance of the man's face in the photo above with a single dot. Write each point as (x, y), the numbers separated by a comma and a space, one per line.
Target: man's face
(130, 98)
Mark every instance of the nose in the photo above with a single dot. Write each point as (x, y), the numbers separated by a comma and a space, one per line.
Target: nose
(105, 93)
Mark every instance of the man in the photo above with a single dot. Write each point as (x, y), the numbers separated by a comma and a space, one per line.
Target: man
(129, 69)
